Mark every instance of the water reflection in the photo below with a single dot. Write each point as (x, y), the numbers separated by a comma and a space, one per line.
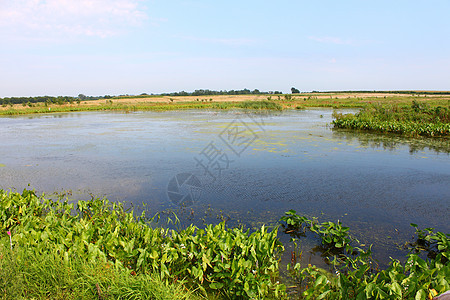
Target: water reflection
(393, 141)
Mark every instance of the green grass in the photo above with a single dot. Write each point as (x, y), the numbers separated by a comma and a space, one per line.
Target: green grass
(417, 119)
(253, 105)
(27, 275)
(106, 107)
(351, 101)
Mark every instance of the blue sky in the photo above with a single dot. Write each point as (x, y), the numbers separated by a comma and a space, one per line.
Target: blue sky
(98, 47)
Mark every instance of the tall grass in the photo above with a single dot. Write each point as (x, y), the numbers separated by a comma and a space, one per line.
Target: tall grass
(25, 274)
(258, 105)
(255, 105)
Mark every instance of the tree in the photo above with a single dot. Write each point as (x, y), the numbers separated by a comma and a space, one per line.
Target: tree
(294, 90)
(82, 97)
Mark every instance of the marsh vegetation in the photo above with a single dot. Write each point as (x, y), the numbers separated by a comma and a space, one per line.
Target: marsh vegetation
(97, 249)
(418, 119)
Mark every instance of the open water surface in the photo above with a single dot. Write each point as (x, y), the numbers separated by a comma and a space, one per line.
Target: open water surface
(247, 168)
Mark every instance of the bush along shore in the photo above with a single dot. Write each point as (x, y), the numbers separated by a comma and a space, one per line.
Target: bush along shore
(418, 119)
(53, 249)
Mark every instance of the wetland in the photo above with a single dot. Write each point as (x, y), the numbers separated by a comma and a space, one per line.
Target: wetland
(249, 168)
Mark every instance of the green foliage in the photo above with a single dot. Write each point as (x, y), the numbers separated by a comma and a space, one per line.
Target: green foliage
(97, 249)
(211, 93)
(111, 106)
(216, 259)
(356, 279)
(263, 104)
(432, 243)
(255, 105)
(26, 274)
(333, 235)
(416, 120)
(288, 98)
(299, 223)
(49, 99)
(355, 276)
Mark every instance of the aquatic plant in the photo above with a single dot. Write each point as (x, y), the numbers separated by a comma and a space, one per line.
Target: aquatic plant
(225, 261)
(356, 274)
(418, 119)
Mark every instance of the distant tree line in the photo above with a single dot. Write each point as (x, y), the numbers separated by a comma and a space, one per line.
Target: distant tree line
(81, 97)
(222, 92)
(49, 99)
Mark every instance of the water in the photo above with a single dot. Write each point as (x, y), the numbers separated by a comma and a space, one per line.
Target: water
(256, 167)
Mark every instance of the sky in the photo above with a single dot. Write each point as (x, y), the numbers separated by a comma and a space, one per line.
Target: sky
(115, 47)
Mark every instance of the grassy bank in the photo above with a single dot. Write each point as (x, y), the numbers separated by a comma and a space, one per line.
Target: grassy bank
(123, 107)
(25, 274)
(156, 106)
(104, 248)
(96, 249)
(416, 119)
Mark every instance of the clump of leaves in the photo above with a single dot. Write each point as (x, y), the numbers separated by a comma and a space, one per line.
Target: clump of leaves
(296, 222)
(216, 259)
(415, 120)
(333, 235)
(431, 242)
(355, 276)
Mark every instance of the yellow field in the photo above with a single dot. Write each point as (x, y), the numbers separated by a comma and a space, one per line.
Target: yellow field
(183, 102)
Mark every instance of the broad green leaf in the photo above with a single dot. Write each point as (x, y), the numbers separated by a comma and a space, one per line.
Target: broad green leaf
(421, 295)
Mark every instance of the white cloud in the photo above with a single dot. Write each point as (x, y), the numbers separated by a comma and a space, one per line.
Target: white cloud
(223, 41)
(101, 18)
(330, 40)
(341, 41)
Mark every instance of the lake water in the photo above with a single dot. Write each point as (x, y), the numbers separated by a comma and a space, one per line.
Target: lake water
(247, 168)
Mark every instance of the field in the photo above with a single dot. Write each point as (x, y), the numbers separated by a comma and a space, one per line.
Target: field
(287, 101)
